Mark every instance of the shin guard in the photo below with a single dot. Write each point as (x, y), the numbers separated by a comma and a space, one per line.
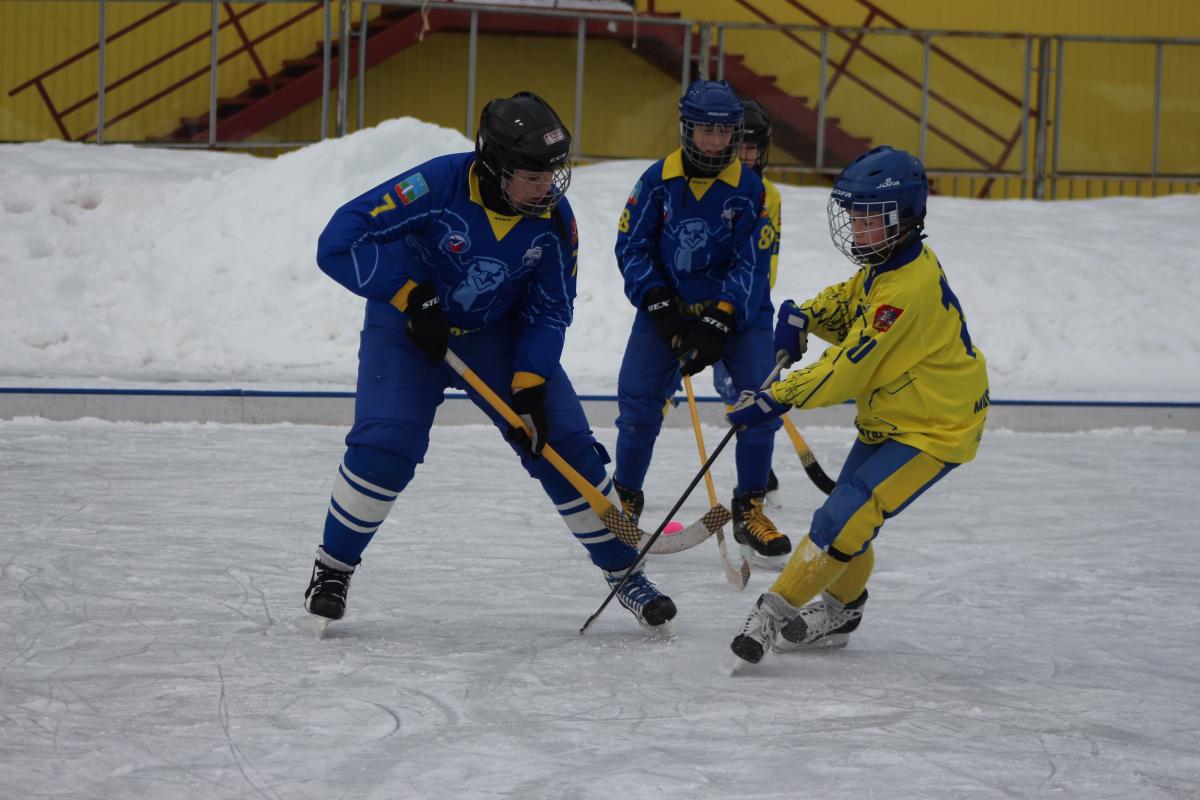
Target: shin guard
(364, 490)
(606, 550)
(808, 573)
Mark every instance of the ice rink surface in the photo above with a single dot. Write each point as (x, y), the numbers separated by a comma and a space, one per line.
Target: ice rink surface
(1033, 631)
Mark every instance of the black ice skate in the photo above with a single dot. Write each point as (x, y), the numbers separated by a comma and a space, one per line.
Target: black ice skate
(826, 623)
(326, 594)
(770, 614)
(639, 594)
(632, 502)
(755, 531)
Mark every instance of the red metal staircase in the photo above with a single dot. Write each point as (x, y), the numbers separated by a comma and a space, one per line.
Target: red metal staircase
(269, 99)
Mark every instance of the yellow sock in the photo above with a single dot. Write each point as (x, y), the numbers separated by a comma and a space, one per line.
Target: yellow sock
(850, 585)
(808, 572)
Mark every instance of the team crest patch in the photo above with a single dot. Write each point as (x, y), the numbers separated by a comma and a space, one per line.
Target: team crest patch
(412, 188)
(633, 196)
(456, 243)
(532, 256)
(885, 317)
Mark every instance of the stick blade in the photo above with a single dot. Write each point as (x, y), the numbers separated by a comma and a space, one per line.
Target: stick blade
(686, 539)
(738, 577)
(819, 478)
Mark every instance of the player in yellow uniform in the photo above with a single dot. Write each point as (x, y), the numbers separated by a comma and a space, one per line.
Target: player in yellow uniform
(901, 348)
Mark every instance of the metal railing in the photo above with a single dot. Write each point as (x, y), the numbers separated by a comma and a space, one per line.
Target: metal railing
(701, 52)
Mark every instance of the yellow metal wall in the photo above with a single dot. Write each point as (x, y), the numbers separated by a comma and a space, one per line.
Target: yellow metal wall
(1106, 124)
(629, 116)
(1107, 111)
(36, 36)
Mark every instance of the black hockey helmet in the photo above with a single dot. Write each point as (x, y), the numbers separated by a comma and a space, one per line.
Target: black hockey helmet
(756, 130)
(517, 136)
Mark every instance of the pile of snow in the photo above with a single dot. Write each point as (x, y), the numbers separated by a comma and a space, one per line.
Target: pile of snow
(124, 266)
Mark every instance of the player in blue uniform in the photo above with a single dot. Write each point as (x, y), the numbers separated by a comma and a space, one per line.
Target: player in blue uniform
(478, 250)
(754, 154)
(694, 246)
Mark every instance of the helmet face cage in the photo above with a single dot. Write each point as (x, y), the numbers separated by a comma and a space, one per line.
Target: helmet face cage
(756, 133)
(525, 151)
(534, 192)
(877, 223)
(709, 164)
(763, 142)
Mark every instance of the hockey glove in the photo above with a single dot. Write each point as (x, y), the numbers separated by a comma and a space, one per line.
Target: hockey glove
(530, 405)
(755, 408)
(427, 324)
(663, 309)
(791, 333)
(705, 342)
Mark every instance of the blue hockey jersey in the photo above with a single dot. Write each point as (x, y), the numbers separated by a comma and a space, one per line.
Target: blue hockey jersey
(705, 239)
(429, 224)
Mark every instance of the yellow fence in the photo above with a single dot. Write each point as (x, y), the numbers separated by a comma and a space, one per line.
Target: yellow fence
(1123, 121)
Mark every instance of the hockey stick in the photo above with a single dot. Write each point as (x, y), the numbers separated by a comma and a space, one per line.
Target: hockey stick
(686, 492)
(807, 459)
(736, 577)
(612, 516)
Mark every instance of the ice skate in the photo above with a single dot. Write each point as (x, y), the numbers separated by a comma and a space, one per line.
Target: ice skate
(770, 614)
(325, 597)
(826, 623)
(632, 502)
(756, 533)
(652, 608)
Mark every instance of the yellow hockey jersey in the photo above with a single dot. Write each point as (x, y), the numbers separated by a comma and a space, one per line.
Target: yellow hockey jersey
(773, 205)
(902, 350)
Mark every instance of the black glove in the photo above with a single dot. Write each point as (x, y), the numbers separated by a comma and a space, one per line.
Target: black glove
(530, 405)
(663, 309)
(705, 342)
(427, 324)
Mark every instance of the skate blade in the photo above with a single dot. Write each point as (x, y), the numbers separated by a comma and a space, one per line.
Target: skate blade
(735, 666)
(834, 641)
(662, 631)
(320, 625)
(766, 562)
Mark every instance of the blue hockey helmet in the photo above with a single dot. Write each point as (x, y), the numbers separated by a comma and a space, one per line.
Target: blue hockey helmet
(710, 112)
(877, 204)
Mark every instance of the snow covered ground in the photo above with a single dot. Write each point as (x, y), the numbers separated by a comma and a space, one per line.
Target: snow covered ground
(121, 266)
(1032, 624)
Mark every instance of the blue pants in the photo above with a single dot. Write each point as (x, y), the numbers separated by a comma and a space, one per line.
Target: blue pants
(399, 390)
(649, 374)
(877, 482)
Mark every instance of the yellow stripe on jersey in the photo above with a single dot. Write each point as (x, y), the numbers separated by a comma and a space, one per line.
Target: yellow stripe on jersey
(773, 204)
